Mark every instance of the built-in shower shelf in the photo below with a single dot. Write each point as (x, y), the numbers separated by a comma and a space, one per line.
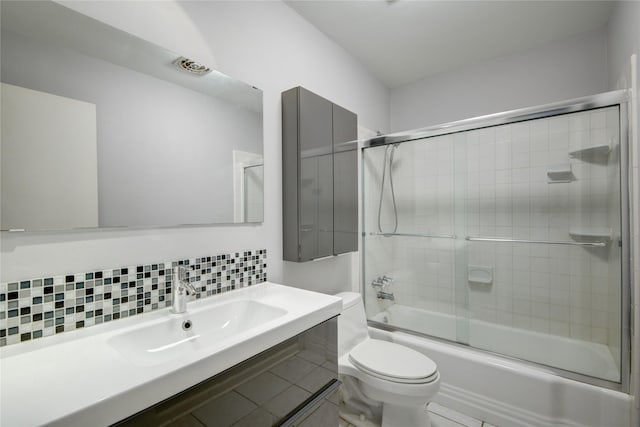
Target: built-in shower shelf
(600, 150)
(601, 234)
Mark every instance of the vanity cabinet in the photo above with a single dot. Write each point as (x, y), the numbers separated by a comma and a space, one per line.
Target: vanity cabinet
(319, 177)
(294, 383)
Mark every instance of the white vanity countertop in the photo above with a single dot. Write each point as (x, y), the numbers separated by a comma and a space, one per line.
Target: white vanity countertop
(79, 379)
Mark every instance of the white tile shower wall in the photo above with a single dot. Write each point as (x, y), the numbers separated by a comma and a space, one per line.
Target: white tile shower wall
(503, 186)
(422, 268)
(431, 260)
(378, 249)
(556, 289)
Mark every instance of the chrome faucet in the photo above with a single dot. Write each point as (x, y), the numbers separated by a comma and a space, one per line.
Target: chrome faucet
(382, 282)
(179, 287)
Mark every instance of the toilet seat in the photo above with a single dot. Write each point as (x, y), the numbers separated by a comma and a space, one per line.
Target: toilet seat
(393, 362)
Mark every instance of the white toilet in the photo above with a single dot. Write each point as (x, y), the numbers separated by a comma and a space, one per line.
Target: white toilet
(384, 381)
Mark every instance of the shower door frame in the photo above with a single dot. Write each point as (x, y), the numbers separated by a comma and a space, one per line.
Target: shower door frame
(620, 98)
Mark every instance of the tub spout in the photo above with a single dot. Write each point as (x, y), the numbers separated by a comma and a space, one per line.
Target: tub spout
(386, 295)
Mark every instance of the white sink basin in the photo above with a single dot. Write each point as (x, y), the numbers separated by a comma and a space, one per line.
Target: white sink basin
(166, 340)
(136, 362)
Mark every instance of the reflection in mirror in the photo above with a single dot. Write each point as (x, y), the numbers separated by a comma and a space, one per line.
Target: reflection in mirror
(102, 129)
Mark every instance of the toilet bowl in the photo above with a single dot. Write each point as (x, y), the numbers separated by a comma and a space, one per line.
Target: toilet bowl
(382, 380)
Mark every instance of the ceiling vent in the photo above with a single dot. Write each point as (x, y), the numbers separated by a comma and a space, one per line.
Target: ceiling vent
(191, 66)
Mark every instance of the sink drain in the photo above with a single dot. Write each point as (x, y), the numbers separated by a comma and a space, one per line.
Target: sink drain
(187, 325)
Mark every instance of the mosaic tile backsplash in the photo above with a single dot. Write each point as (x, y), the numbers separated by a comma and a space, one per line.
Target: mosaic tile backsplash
(36, 308)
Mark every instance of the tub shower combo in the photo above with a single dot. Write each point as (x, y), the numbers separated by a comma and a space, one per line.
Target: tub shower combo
(508, 236)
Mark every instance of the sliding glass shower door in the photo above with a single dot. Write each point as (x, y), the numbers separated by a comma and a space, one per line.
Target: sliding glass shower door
(504, 237)
(411, 253)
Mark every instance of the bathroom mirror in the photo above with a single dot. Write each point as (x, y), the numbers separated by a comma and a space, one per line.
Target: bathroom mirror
(102, 129)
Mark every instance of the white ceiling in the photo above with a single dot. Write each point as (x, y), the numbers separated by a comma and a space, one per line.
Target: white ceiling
(405, 40)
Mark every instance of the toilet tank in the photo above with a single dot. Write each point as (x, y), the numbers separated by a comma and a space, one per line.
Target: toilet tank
(352, 322)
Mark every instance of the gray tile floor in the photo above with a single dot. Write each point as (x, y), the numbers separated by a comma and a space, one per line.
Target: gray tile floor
(440, 417)
(268, 397)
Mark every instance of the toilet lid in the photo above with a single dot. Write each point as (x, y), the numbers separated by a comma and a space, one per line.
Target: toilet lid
(392, 361)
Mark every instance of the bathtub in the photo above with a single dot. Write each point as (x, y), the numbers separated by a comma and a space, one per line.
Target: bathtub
(503, 391)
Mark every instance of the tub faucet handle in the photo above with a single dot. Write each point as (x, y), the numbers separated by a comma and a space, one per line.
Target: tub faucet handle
(378, 282)
(382, 282)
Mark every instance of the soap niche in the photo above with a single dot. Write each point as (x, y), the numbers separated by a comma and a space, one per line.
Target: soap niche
(480, 275)
(560, 174)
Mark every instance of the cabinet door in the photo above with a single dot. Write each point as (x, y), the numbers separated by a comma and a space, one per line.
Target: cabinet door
(290, 176)
(316, 176)
(345, 185)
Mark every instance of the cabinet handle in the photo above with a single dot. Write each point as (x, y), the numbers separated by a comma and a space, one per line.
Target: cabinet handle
(309, 405)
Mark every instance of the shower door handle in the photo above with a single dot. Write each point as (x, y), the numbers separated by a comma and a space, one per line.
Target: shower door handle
(544, 242)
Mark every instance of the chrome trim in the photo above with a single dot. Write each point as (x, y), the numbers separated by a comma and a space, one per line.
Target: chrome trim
(433, 236)
(620, 98)
(530, 113)
(627, 260)
(385, 295)
(587, 379)
(545, 242)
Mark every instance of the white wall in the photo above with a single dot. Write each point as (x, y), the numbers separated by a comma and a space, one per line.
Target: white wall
(624, 41)
(561, 70)
(263, 43)
(623, 38)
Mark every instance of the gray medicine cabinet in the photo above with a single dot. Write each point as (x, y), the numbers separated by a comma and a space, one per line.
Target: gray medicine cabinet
(319, 177)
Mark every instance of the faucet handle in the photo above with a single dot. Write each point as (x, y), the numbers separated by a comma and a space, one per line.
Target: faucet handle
(179, 273)
(181, 278)
(382, 282)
